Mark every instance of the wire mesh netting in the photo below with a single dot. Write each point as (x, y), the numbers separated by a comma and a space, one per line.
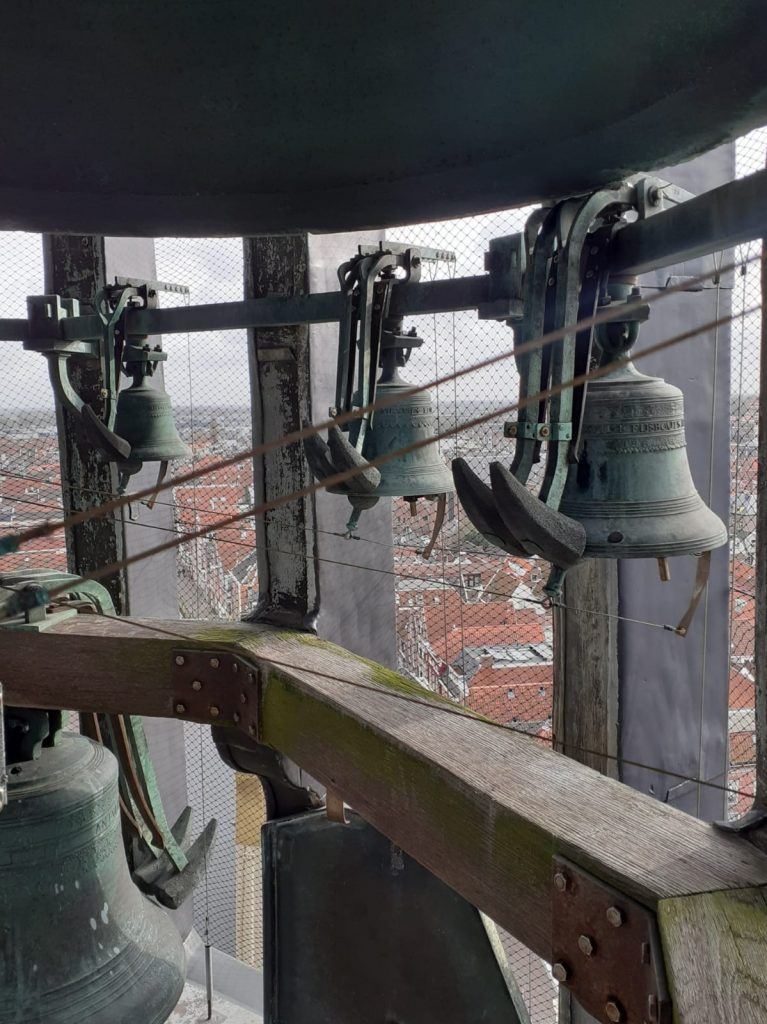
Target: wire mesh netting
(744, 456)
(469, 620)
(207, 376)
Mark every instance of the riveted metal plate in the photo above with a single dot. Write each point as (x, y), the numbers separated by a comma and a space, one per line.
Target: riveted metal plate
(216, 687)
(606, 949)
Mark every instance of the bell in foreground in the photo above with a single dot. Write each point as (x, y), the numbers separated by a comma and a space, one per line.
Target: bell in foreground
(80, 944)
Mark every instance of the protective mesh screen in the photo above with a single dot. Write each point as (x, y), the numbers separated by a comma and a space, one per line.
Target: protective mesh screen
(744, 454)
(469, 620)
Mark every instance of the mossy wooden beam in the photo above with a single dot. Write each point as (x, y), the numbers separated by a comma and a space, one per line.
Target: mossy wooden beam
(714, 946)
(483, 807)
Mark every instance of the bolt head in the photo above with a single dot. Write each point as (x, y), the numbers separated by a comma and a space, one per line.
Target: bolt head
(586, 945)
(560, 972)
(236, 716)
(215, 711)
(252, 729)
(561, 881)
(180, 659)
(214, 662)
(180, 708)
(196, 684)
(615, 916)
(614, 1011)
(243, 698)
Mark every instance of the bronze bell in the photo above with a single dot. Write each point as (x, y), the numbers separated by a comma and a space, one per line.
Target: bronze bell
(144, 419)
(79, 944)
(409, 419)
(631, 488)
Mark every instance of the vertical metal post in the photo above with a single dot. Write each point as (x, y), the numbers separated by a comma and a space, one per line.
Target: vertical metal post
(281, 402)
(75, 267)
(585, 715)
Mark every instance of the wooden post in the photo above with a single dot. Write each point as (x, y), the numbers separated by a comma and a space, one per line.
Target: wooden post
(585, 713)
(281, 402)
(75, 267)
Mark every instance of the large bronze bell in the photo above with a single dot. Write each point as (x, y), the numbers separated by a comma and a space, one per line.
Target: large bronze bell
(79, 944)
(144, 419)
(631, 488)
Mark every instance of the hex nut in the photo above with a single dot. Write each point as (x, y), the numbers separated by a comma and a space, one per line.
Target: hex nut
(615, 916)
(214, 662)
(586, 945)
(215, 711)
(561, 881)
(196, 684)
(560, 972)
(180, 708)
(180, 659)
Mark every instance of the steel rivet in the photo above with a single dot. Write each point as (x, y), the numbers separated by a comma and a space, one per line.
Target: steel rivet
(214, 711)
(180, 708)
(252, 729)
(613, 1011)
(561, 881)
(243, 698)
(252, 676)
(560, 972)
(615, 916)
(196, 684)
(235, 667)
(585, 945)
(214, 662)
(180, 659)
(236, 716)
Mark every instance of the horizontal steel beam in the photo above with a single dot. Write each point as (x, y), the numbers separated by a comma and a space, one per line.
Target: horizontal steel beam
(726, 216)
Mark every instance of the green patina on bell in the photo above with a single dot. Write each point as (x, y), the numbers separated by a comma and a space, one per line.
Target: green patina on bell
(408, 420)
(79, 944)
(144, 418)
(631, 488)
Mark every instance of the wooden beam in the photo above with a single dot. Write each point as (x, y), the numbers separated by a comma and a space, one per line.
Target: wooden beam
(481, 806)
(585, 712)
(714, 946)
(75, 267)
(278, 265)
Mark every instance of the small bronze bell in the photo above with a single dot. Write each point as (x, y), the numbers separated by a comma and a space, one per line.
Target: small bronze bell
(408, 420)
(144, 419)
(79, 944)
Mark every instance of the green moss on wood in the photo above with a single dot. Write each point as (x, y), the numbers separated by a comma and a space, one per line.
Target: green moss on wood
(439, 819)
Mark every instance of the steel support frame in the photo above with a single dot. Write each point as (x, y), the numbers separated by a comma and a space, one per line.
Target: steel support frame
(716, 220)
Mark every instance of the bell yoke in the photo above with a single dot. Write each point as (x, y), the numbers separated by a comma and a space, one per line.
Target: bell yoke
(616, 482)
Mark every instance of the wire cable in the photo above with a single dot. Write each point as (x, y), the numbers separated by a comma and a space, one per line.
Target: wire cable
(610, 313)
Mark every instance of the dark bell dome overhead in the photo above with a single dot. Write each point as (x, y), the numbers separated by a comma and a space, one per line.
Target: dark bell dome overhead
(205, 117)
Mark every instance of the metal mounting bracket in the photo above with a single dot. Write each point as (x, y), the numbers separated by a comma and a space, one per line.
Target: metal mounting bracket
(606, 949)
(215, 687)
